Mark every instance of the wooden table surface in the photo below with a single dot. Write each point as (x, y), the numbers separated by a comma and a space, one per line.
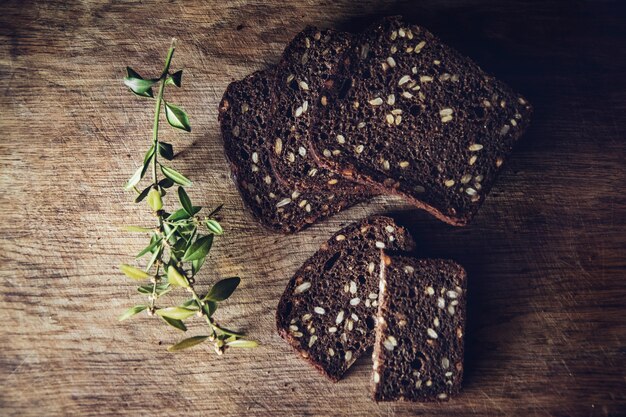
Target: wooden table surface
(545, 255)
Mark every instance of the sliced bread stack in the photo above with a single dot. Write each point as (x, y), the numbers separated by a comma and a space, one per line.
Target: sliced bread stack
(264, 116)
(245, 113)
(358, 291)
(343, 117)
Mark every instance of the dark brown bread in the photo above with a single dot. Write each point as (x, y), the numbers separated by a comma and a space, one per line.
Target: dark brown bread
(327, 312)
(418, 354)
(308, 63)
(244, 114)
(415, 117)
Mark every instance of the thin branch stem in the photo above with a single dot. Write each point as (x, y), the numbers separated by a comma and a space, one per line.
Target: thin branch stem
(186, 229)
(157, 111)
(155, 141)
(154, 286)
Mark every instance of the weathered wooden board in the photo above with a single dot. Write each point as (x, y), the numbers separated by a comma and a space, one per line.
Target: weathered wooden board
(546, 255)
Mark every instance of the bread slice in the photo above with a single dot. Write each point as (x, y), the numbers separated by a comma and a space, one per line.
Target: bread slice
(309, 62)
(244, 113)
(327, 312)
(418, 354)
(415, 117)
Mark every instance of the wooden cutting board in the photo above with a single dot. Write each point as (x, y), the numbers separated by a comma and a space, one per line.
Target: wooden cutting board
(546, 254)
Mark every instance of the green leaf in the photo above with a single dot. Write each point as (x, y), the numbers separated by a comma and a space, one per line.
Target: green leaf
(177, 313)
(145, 289)
(131, 312)
(166, 183)
(141, 171)
(191, 303)
(137, 229)
(146, 161)
(185, 201)
(148, 156)
(154, 257)
(175, 79)
(133, 74)
(210, 307)
(197, 264)
(139, 86)
(175, 323)
(175, 278)
(166, 150)
(182, 214)
(177, 117)
(142, 195)
(214, 226)
(241, 343)
(229, 332)
(134, 180)
(199, 249)
(179, 214)
(223, 289)
(175, 176)
(153, 244)
(154, 200)
(187, 343)
(134, 273)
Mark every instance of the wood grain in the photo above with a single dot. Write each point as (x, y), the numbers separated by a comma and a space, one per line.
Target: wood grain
(545, 256)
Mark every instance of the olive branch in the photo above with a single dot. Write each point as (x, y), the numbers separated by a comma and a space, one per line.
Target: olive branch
(181, 241)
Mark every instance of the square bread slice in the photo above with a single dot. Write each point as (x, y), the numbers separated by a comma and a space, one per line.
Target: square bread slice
(415, 117)
(309, 63)
(244, 113)
(418, 354)
(327, 312)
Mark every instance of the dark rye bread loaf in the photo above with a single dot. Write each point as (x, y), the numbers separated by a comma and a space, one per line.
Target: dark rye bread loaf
(415, 117)
(307, 65)
(418, 354)
(327, 312)
(244, 113)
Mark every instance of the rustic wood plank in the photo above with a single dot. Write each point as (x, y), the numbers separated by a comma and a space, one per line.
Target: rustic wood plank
(545, 256)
